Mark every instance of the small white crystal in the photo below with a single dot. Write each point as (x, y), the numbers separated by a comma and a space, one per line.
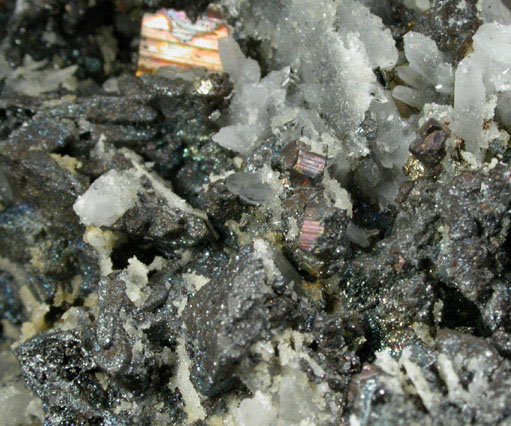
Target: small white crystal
(266, 255)
(103, 242)
(253, 98)
(256, 411)
(409, 96)
(111, 85)
(241, 70)
(417, 5)
(495, 40)
(296, 398)
(442, 113)
(193, 406)
(446, 369)
(411, 77)
(394, 135)
(31, 80)
(491, 45)
(339, 197)
(425, 58)
(235, 138)
(107, 199)
(378, 41)
(358, 235)
(428, 397)
(445, 78)
(135, 278)
(194, 281)
(249, 187)
(494, 11)
(469, 105)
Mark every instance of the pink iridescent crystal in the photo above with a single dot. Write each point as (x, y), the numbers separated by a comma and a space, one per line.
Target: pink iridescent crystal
(311, 229)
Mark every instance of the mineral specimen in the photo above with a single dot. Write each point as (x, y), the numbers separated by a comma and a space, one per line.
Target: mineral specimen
(429, 147)
(314, 229)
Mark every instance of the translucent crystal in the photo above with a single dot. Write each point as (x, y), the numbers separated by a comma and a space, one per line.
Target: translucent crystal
(425, 58)
(249, 109)
(495, 11)
(469, 105)
(495, 40)
(107, 199)
(379, 44)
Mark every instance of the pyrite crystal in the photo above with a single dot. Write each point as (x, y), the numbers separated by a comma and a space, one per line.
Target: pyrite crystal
(271, 212)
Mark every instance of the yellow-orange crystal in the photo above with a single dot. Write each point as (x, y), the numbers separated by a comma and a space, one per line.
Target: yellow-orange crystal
(168, 37)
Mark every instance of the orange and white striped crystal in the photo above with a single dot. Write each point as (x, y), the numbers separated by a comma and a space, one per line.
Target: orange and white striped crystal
(168, 37)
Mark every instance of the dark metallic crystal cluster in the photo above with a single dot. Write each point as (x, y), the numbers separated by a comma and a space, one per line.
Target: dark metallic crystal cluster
(232, 290)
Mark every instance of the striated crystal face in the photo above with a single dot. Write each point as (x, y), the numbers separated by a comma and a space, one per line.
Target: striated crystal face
(169, 37)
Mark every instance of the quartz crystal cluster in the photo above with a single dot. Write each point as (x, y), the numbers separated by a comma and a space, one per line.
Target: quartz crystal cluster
(317, 234)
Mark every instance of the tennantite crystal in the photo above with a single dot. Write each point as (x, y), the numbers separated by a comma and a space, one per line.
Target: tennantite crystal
(317, 235)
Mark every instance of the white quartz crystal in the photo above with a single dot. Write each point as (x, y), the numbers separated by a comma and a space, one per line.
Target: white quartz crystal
(32, 80)
(417, 5)
(411, 77)
(378, 42)
(494, 11)
(358, 235)
(241, 70)
(495, 40)
(469, 106)
(394, 135)
(253, 98)
(409, 96)
(483, 87)
(194, 281)
(454, 387)
(336, 194)
(135, 278)
(256, 411)
(108, 198)
(426, 60)
(103, 242)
